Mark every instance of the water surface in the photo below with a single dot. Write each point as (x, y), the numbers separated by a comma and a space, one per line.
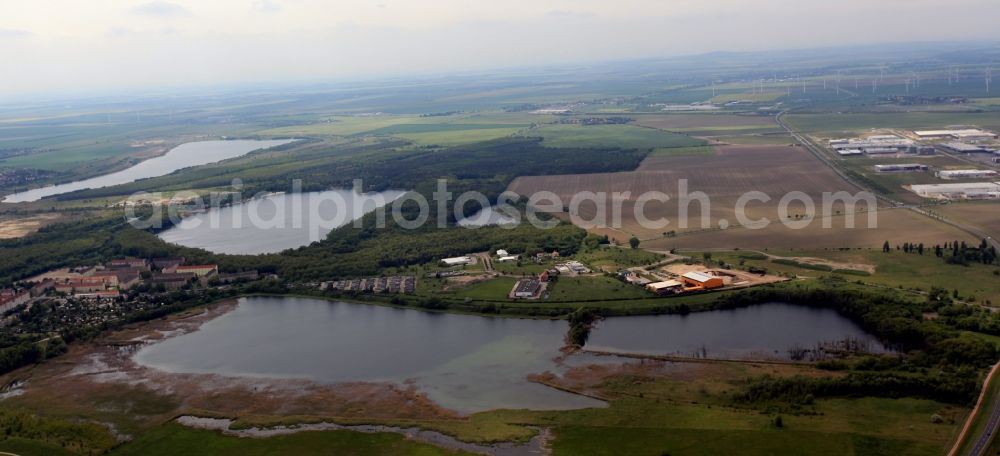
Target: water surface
(182, 156)
(464, 363)
(276, 222)
(759, 332)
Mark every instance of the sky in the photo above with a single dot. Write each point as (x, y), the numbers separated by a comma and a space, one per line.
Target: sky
(77, 45)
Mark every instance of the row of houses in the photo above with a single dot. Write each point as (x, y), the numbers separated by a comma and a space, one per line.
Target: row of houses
(394, 284)
(108, 280)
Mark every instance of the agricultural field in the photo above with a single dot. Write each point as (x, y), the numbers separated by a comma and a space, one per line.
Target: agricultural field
(984, 215)
(85, 149)
(623, 136)
(709, 124)
(839, 124)
(891, 224)
(975, 282)
(724, 178)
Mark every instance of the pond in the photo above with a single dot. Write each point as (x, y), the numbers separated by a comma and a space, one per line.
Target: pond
(462, 362)
(275, 222)
(182, 156)
(768, 331)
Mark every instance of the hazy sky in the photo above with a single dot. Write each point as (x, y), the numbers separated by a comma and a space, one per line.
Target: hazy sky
(60, 45)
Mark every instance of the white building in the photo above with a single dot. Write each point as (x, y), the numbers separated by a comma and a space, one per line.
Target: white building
(459, 261)
(969, 134)
(901, 168)
(966, 174)
(975, 190)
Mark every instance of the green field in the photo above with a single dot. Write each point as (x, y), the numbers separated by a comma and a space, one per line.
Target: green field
(623, 136)
(592, 288)
(861, 122)
(895, 269)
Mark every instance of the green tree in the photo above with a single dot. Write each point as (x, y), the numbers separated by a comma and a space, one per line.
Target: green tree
(634, 242)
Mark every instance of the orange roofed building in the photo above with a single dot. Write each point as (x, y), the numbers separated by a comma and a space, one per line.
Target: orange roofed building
(700, 280)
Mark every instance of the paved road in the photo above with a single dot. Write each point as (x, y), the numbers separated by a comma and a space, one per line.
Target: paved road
(984, 439)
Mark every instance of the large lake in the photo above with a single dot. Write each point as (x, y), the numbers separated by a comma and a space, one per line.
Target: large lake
(766, 331)
(182, 156)
(462, 362)
(275, 223)
(465, 363)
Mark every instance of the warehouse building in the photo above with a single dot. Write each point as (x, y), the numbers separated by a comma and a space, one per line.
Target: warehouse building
(953, 174)
(700, 280)
(965, 148)
(665, 288)
(458, 261)
(966, 134)
(527, 289)
(976, 190)
(874, 145)
(901, 168)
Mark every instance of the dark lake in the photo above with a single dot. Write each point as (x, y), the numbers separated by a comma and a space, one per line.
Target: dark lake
(765, 331)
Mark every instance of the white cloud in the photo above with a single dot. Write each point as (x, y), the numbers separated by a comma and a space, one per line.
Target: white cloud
(162, 9)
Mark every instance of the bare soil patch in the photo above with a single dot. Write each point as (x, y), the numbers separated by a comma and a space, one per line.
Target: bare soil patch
(12, 228)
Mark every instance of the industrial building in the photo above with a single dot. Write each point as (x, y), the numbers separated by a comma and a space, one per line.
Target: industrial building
(874, 145)
(665, 288)
(901, 168)
(953, 174)
(977, 190)
(459, 261)
(700, 280)
(527, 289)
(967, 134)
(965, 148)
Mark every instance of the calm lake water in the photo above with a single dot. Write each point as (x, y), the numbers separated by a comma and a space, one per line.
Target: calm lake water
(276, 222)
(758, 332)
(465, 363)
(182, 156)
